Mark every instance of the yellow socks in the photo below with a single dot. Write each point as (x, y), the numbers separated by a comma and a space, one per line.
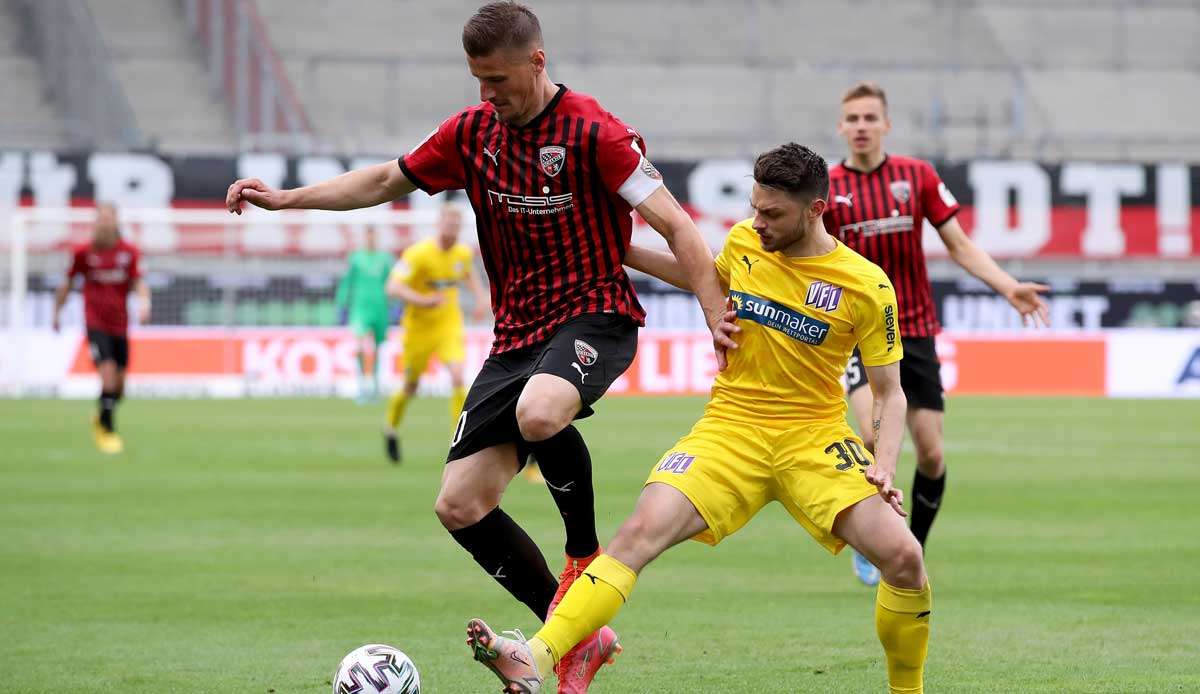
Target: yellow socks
(458, 396)
(902, 622)
(593, 600)
(395, 408)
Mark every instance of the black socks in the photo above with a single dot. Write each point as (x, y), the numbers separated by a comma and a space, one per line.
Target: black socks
(567, 466)
(510, 556)
(927, 499)
(108, 403)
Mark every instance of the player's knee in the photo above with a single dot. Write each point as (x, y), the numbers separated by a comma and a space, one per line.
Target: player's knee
(410, 388)
(929, 460)
(637, 542)
(905, 565)
(456, 511)
(538, 422)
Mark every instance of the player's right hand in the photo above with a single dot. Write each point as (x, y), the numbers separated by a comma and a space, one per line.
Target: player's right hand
(255, 192)
(54, 324)
(434, 299)
(883, 479)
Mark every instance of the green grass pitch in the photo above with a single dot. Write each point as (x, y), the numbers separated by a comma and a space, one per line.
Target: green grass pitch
(245, 546)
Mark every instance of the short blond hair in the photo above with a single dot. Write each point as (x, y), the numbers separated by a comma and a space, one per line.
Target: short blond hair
(865, 89)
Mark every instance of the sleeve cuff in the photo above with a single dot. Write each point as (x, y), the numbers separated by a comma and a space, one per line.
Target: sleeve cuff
(416, 181)
(945, 219)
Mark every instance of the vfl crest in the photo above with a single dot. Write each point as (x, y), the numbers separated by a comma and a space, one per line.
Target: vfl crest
(901, 190)
(552, 159)
(585, 353)
(824, 296)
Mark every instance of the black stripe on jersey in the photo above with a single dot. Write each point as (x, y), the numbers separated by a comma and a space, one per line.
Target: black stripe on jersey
(587, 260)
(921, 296)
(895, 258)
(871, 202)
(567, 239)
(539, 252)
(607, 235)
(840, 211)
(510, 236)
(910, 253)
(887, 242)
(852, 214)
(477, 189)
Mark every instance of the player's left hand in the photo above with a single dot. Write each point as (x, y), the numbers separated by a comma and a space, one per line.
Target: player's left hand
(1026, 298)
(723, 328)
(479, 313)
(882, 479)
(144, 313)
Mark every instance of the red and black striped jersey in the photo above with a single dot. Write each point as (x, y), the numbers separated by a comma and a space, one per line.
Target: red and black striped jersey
(553, 201)
(880, 214)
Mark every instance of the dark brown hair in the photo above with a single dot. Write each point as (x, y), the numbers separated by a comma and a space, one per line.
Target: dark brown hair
(793, 169)
(863, 89)
(500, 25)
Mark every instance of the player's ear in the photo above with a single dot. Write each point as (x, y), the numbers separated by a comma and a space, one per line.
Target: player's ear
(538, 59)
(816, 208)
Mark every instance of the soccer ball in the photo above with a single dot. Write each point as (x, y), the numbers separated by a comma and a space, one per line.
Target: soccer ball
(376, 669)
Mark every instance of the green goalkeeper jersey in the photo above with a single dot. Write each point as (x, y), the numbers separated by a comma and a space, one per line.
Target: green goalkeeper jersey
(363, 287)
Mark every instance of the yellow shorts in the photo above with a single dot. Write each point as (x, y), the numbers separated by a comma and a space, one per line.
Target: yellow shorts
(730, 470)
(421, 342)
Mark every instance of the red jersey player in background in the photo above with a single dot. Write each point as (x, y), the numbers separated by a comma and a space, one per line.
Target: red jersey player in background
(553, 179)
(878, 203)
(111, 268)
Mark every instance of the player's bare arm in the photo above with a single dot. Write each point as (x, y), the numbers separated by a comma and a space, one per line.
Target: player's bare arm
(365, 187)
(1025, 297)
(143, 294)
(400, 290)
(658, 264)
(662, 212)
(482, 301)
(887, 422)
(60, 299)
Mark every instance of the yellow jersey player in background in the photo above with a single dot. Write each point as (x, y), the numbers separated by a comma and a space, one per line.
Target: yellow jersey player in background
(774, 429)
(426, 278)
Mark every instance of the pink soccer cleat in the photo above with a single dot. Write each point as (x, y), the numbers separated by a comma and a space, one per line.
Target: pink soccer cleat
(579, 666)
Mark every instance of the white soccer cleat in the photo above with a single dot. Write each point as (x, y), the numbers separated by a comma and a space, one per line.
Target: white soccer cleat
(510, 659)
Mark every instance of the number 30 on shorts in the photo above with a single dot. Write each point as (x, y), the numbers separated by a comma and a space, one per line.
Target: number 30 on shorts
(850, 453)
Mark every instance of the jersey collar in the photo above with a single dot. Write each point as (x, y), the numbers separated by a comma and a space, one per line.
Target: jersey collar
(846, 166)
(562, 89)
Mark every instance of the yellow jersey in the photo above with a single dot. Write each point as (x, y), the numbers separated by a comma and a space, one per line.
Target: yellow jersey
(427, 268)
(800, 320)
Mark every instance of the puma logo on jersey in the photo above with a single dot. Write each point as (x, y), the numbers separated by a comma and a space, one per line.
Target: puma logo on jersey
(847, 199)
(582, 374)
(492, 155)
(749, 263)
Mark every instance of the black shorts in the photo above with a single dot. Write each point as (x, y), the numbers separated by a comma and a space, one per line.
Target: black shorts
(108, 347)
(920, 374)
(591, 351)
